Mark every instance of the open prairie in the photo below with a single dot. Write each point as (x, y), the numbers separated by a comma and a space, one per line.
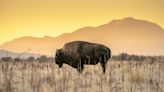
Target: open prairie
(121, 76)
(81, 45)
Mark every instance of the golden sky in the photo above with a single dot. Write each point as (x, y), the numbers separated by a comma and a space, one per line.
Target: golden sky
(53, 17)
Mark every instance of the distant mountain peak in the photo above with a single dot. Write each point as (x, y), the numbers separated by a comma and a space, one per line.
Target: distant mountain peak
(130, 22)
(129, 18)
(125, 20)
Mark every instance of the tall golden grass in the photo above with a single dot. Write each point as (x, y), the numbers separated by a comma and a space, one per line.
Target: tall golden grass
(121, 76)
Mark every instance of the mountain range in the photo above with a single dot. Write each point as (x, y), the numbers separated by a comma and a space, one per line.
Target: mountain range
(4, 53)
(130, 35)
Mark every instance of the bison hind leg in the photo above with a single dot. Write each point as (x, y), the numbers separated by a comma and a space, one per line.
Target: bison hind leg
(103, 63)
(80, 67)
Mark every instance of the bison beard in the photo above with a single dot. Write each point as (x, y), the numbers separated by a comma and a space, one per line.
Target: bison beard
(78, 53)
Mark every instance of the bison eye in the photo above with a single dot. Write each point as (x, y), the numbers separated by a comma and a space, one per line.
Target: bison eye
(57, 54)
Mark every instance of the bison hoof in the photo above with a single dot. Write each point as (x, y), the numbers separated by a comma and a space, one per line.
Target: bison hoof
(80, 70)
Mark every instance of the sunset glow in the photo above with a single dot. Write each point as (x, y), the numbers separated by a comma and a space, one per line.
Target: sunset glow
(53, 17)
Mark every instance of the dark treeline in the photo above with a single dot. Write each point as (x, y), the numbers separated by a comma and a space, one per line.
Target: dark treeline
(29, 59)
(120, 57)
(128, 57)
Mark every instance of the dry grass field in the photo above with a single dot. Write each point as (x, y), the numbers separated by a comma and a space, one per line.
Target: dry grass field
(121, 76)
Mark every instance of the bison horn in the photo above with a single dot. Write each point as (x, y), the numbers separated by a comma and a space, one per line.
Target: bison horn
(57, 52)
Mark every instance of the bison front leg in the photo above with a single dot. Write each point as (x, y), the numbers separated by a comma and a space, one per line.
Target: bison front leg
(80, 66)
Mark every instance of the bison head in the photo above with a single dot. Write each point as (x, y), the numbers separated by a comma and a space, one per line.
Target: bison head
(59, 57)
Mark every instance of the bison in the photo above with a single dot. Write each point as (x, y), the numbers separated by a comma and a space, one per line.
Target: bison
(78, 53)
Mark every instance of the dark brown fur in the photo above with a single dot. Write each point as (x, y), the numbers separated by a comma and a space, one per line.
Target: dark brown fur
(78, 53)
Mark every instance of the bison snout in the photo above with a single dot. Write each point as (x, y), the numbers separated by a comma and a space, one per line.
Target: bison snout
(60, 65)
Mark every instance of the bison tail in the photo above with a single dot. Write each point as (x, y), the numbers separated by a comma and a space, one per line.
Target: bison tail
(109, 53)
